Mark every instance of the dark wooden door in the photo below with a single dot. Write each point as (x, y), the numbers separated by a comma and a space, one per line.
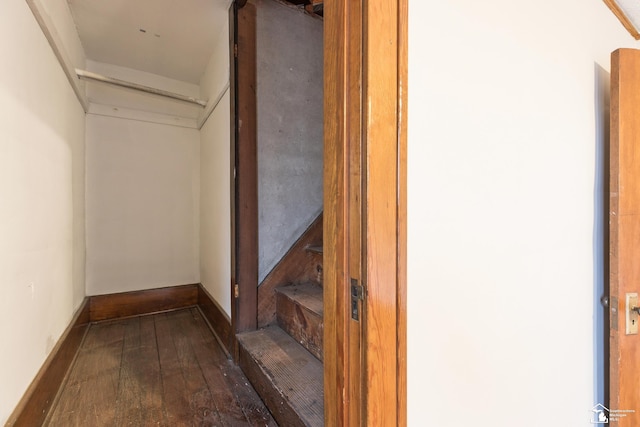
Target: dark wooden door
(624, 240)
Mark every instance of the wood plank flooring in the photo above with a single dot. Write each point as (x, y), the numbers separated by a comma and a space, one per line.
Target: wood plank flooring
(164, 369)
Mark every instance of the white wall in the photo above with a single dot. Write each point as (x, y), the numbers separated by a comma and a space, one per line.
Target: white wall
(215, 179)
(41, 202)
(142, 205)
(216, 75)
(506, 110)
(215, 209)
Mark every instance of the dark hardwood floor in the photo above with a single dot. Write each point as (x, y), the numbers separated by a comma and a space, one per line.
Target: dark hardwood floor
(164, 369)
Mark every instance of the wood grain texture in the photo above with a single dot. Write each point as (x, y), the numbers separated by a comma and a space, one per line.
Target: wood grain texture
(136, 364)
(403, 91)
(186, 396)
(236, 401)
(140, 381)
(286, 376)
(624, 231)
(217, 318)
(39, 397)
(298, 265)
(335, 207)
(91, 390)
(379, 84)
(113, 306)
(233, 125)
(356, 204)
(381, 128)
(165, 369)
(299, 313)
(245, 310)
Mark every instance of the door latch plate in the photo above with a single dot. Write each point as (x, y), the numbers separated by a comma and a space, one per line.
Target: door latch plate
(356, 296)
(631, 310)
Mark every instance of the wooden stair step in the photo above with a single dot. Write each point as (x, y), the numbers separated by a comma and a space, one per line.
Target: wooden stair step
(288, 378)
(299, 311)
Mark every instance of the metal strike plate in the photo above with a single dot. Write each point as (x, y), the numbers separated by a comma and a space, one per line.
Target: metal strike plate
(356, 296)
(631, 311)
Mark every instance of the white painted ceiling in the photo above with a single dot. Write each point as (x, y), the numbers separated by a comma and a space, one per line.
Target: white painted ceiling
(171, 38)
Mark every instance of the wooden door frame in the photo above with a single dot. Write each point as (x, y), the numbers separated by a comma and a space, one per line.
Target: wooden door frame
(244, 171)
(383, 88)
(382, 55)
(624, 227)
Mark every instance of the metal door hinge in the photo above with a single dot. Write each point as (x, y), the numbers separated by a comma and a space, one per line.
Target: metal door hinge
(357, 295)
(235, 50)
(236, 291)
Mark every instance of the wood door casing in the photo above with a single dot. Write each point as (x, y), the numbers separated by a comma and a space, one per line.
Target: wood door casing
(401, 283)
(335, 262)
(365, 211)
(356, 207)
(624, 233)
(361, 68)
(245, 304)
(381, 214)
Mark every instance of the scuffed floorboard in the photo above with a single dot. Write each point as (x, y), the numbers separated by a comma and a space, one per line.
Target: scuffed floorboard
(164, 369)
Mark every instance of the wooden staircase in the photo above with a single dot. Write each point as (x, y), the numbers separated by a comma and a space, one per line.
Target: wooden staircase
(283, 360)
(299, 313)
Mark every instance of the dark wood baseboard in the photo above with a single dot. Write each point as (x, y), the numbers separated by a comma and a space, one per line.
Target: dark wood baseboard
(34, 406)
(126, 304)
(37, 400)
(217, 318)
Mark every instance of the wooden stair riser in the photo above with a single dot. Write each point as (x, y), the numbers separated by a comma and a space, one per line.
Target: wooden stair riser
(304, 325)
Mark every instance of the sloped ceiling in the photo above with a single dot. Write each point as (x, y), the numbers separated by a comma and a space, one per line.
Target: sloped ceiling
(171, 38)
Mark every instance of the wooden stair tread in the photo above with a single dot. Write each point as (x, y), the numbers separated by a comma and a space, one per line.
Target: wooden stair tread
(288, 378)
(308, 295)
